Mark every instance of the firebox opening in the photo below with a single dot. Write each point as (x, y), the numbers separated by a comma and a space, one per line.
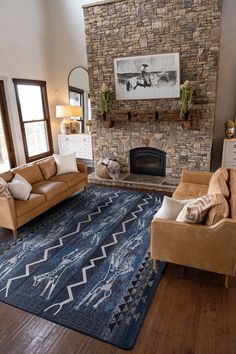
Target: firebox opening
(148, 161)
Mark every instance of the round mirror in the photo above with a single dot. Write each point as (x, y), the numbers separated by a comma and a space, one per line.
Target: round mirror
(78, 84)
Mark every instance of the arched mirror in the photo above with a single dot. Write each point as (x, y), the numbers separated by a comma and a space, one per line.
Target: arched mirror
(78, 84)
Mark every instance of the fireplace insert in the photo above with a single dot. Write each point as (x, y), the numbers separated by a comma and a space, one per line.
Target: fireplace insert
(148, 161)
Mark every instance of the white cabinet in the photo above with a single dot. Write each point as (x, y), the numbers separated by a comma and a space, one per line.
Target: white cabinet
(229, 153)
(81, 144)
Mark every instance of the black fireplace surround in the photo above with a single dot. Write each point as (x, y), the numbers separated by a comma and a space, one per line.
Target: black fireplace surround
(148, 161)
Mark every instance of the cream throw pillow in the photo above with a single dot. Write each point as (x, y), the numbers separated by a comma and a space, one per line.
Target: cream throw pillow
(195, 212)
(171, 208)
(19, 187)
(65, 163)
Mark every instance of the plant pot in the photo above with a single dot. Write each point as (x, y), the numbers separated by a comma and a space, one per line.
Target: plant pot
(186, 124)
(108, 124)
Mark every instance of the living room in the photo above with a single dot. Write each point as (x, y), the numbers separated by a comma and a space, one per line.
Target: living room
(188, 309)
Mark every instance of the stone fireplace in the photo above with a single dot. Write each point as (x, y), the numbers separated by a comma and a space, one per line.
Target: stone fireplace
(122, 28)
(148, 161)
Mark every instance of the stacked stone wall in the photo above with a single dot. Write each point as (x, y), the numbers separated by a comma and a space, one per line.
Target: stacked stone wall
(127, 28)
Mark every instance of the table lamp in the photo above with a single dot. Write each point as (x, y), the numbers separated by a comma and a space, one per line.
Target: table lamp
(77, 111)
(64, 112)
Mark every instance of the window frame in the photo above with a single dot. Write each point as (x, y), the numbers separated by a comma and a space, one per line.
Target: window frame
(43, 89)
(7, 126)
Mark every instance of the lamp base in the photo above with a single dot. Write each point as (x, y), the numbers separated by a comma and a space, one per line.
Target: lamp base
(65, 127)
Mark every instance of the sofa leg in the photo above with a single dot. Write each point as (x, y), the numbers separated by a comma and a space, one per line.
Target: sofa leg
(14, 231)
(228, 280)
(155, 265)
(85, 189)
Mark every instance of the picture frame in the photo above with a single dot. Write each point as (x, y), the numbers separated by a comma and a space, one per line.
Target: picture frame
(147, 77)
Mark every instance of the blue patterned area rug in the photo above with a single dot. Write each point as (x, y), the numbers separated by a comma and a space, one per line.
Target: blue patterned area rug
(85, 264)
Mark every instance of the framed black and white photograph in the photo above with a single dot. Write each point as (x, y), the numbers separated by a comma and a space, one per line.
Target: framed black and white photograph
(147, 77)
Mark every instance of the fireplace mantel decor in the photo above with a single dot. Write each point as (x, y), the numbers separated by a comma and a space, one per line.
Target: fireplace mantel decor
(147, 77)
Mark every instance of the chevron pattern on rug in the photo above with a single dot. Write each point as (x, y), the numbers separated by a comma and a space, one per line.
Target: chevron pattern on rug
(85, 264)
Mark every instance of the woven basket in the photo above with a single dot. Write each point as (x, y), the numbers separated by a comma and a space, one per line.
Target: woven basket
(101, 171)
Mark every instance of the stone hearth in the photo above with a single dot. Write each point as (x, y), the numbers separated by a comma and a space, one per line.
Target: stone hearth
(144, 182)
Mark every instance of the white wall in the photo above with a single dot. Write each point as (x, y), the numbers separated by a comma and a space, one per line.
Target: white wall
(226, 93)
(67, 49)
(22, 46)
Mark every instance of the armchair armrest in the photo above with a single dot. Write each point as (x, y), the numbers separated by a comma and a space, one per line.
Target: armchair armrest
(211, 248)
(199, 177)
(8, 213)
(82, 167)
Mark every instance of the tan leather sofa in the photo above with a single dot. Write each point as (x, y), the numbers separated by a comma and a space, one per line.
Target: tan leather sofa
(48, 189)
(211, 248)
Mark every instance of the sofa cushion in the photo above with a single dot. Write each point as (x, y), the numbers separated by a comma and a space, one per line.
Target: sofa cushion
(49, 189)
(23, 207)
(218, 182)
(48, 168)
(19, 187)
(218, 211)
(232, 185)
(31, 173)
(70, 179)
(194, 212)
(190, 190)
(7, 176)
(171, 208)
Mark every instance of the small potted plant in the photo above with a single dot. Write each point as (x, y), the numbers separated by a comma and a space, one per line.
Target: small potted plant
(106, 97)
(229, 129)
(186, 98)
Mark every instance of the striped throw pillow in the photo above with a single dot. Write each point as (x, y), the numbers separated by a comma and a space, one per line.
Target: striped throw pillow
(195, 212)
(4, 191)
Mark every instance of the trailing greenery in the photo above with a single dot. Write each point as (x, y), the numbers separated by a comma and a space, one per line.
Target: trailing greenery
(186, 97)
(106, 97)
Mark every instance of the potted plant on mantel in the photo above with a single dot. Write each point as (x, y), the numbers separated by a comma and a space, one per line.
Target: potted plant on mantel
(106, 97)
(186, 98)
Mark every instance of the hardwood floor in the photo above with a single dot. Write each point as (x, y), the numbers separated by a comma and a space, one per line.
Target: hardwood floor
(192, 313)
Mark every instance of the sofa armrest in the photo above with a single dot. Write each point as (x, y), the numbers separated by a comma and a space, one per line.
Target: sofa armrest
(199, 177)
(211, 248)
(7, 213)
(82, 167)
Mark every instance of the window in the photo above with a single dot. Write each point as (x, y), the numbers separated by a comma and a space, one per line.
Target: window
(33, 111)
(77, 99)
(7, 154)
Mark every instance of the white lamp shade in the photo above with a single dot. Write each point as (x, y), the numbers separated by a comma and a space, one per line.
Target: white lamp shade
(69, 111)
(77, 111)
(63, 111)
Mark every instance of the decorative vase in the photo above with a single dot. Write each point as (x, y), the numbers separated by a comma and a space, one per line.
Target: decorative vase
(65, 126)
(75, 125)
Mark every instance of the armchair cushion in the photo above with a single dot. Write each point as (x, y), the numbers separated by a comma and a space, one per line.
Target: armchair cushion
(218, 181)
(218, 211)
